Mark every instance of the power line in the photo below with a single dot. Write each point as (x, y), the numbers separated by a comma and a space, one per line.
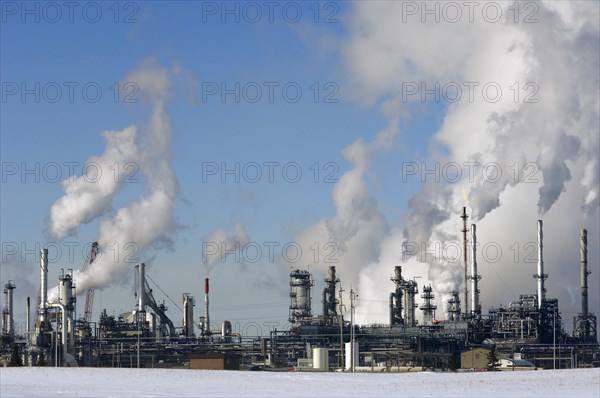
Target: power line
(163, 292)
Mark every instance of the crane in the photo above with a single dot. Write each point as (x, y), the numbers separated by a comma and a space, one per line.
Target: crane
(89, 300)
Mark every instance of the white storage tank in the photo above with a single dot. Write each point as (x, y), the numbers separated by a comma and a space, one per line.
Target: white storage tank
(348, 355)
(321, 359)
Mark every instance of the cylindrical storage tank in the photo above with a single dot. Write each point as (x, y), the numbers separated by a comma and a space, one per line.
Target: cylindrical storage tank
(188, 315)
(65, 291)
(225, 328)
(321, 359)
(348, 355)
(301, 294)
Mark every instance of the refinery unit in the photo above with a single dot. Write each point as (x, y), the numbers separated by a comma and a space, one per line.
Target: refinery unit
(530, 328)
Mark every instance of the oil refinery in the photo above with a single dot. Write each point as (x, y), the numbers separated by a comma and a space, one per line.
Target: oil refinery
(527, 333)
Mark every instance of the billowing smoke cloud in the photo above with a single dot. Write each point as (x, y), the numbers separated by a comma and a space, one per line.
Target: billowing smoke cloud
(536, 142)
(148, 221)
(350, 196)
(218, 245)
(90, 195)
(350, 238)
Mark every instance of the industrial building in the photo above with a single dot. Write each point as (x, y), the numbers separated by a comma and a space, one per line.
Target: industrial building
(528, 331)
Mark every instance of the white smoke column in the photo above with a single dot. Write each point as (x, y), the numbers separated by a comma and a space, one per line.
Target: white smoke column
(147, 222)
(219, 242)
(350, 194)
(353, 235)
(90, 196)
(544, 144)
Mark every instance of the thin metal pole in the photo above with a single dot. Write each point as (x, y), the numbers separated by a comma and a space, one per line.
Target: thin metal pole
(554, 337)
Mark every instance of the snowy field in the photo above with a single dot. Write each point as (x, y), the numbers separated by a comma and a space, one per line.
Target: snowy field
(103, 382)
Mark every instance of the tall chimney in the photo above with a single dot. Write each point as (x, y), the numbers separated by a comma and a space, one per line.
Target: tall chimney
(540, 276)
(9, 287)
(28, 317)
(474, 276)
(464, 217)
(584, 273)
(43, 283)
(207, 331)
(141, 292)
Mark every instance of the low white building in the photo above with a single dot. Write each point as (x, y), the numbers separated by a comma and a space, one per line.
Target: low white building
(517, 362)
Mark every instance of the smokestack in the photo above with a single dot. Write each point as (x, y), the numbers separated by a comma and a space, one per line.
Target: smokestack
(540, 276)
(43, 283)
(584, 273)
(474, 276)
(27, 316)
(464, 217)
(9, 287)
(207, 331)
(141, 293)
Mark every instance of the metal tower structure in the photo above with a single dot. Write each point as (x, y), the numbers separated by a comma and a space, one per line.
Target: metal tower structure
(396, 298)
(89, 299)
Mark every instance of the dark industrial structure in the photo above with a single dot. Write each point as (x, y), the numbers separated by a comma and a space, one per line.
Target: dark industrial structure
(529, 329)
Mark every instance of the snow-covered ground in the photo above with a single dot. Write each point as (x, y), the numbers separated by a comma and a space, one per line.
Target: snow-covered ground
(102, 382)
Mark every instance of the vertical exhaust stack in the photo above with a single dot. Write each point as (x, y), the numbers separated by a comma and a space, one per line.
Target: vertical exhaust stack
(585, 326)
(464, 217)
(10, 328)
(475, 277)
(589, 324)
(584, 273)
(28, 317)
(540, 276)
(43, 284)
(141, 292)
(207, 327)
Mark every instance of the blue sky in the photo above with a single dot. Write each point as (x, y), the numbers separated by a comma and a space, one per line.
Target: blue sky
(310, 132)
(203, 51)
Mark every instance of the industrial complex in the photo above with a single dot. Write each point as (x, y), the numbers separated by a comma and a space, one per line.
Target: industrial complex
(524, 334)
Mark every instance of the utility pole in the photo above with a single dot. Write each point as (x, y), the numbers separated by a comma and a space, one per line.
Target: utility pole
(341, 330)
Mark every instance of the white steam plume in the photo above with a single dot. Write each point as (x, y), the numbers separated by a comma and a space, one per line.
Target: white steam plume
(148, 221)
(357, 228)
(90, 195)
(219, 242)
(546, 150)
